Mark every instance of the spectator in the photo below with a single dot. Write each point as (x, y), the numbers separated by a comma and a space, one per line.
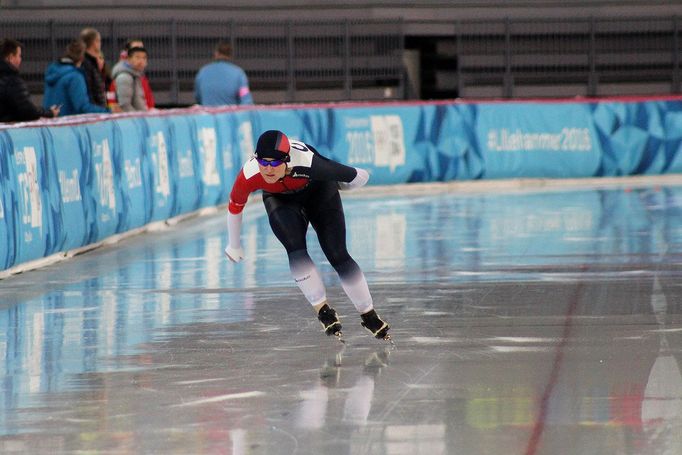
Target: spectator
(131, 43)
(65, 83)
(93, 75)
(148, 95)
(221, 81)
(15, 101)
(128, 79)
(104, 69)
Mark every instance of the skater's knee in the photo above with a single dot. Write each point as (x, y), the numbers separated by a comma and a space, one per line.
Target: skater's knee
(292, 241)
(345, 266)
(299, 256)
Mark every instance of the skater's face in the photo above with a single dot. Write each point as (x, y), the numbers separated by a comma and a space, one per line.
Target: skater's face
(270, 172)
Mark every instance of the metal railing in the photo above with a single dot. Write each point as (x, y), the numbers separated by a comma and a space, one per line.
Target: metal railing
(330, 58)
(587, 57)
(292, 61)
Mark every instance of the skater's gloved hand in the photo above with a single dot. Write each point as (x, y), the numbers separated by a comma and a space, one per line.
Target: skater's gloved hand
(360, 180)
(234, 254)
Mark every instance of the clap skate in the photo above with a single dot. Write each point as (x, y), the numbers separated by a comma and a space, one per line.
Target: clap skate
(379, 328)
(330, 322)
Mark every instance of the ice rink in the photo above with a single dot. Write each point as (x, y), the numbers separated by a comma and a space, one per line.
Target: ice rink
(527, 319)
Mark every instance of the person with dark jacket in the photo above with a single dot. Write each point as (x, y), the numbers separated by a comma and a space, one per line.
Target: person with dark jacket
(93, 75)
(15, 101)
(65, 83)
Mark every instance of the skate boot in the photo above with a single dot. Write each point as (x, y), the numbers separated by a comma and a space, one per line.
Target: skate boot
(330, 322)
(374, 324)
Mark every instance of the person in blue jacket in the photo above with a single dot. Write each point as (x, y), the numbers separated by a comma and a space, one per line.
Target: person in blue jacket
(221, 82)
(65, 84)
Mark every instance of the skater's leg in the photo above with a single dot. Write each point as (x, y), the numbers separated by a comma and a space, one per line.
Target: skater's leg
(330, 225)
(329, 222)
(289, 226)
(354, 284)
(307, 278)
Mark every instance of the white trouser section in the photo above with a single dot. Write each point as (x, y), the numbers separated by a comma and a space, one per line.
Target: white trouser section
(309, 282)
(358, 292)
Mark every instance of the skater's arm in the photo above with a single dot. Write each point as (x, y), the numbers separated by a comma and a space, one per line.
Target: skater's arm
(322, 168)
(234, 250)
(238, 197)
(359, 181)
(325, 169)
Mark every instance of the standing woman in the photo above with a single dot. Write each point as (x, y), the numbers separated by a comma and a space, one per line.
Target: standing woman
(301, 187)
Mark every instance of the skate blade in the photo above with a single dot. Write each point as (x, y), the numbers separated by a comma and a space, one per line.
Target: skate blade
(339, 336)
(389, 340)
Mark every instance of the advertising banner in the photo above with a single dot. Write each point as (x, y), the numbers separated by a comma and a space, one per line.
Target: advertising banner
(7, 205)
(378, 139)
(137, 181)
(173, 136)
(210, 161)
(537, 140)
(103, 178)
(68, 185)
(227, 137)
(30, 195)
(75, 218)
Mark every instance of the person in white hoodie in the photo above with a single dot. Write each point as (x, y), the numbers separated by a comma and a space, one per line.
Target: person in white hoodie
(128, 79)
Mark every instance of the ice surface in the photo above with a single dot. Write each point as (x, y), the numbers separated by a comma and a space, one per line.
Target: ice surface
(525, 322)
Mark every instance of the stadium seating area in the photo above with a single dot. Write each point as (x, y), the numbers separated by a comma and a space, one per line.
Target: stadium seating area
(299, 54)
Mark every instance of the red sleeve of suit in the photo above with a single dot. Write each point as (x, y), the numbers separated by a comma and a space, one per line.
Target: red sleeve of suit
(239, 194)
(148, 95)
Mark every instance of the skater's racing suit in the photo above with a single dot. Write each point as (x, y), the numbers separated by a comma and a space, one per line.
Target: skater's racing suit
(307, 194)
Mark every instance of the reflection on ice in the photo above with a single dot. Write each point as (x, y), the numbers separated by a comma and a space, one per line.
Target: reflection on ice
(313, 410)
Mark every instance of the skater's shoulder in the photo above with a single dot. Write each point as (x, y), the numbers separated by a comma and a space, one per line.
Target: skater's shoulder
(250, 169)
(300, 155)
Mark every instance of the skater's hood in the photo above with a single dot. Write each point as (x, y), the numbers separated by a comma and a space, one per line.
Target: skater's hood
(124, 67)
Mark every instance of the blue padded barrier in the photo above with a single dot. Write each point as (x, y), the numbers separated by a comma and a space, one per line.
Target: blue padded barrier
(7, 204)
(140, 201)
(30, 193)
(103, 179)
(70, 183)
(210, 162)
(174, 134)
(67, 162)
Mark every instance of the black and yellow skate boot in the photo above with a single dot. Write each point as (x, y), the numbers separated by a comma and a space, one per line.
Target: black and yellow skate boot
(372, 322)
(330, 322)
